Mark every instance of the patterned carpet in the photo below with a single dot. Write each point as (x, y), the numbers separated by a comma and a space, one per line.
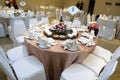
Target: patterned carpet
(6, 44)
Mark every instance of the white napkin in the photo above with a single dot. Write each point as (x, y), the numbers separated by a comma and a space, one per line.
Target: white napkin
(83, 40)
(71, 45)
(90, 41)
(43, 43)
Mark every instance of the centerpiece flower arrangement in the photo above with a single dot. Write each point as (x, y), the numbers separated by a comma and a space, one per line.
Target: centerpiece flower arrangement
(60, 29)
(94, 27)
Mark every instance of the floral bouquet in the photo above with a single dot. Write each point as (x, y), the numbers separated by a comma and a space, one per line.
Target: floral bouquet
(94, 27)
(60, 29)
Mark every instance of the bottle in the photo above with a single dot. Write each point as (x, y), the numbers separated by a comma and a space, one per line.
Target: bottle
(61, 20)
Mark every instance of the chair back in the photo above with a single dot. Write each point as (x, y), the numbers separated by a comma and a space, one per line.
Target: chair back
(110, 24)
(111, 66)
(32, 21)
(93, 17)
(2, 31)
(115, 55)
(88, 18)
(108, 71)
(4, 64)
(76, 23)
(100, 23)
(109, 32)
(18, 28)
(45, 20)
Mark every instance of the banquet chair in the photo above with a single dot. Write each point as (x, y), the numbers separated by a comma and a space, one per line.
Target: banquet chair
(79, 71)
(100, 23)
(28, 68)
(18, 32)
(68, 23)
(16, 53)
(76, 23)
(45, 20)
(102, 53)
(93, 17)
(111, 66)
(30, 13)
(32, 22)
(117, 34)
(88, 19)
(2, 32)
(91, 67)
(94, 63)
(83, 19)
(109, 31)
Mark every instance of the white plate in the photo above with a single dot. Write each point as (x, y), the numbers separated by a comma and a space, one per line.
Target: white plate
(44, 46)
(27, 37)
(73, 49)
(50, 40)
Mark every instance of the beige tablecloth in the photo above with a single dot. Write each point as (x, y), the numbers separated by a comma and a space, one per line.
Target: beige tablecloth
(55, 59)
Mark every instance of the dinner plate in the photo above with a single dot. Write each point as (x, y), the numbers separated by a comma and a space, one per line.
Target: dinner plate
(50, 40)
(41, 46)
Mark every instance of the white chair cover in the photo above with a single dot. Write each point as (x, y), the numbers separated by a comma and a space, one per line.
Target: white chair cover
(18, 32)
(4, 64)
(2, 32)
(27, 68)
(32, 21)
(16, 53)
(109, 31)
(116, 54)
(30, 13)
(83, 19)
(45, 20)
(94, 63)
(68, 23)
(76, 23)
(88, 19)
(77, 72)
(111, 66)
(117, 34)
(100, 23)
(102, 53)
(58, 14)
(108, 71)
(93, 17)
(10, 32)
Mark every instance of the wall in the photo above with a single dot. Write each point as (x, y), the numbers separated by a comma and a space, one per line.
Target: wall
(32, 4)
(101, 8)
(68, 3)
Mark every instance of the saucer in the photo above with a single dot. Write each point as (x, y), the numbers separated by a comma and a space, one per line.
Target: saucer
(72, 49)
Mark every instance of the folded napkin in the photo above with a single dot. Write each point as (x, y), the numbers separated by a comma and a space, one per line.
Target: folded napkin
(83, 40)
(90, 41)
(85, 34)
(71, 45)
(43, 43)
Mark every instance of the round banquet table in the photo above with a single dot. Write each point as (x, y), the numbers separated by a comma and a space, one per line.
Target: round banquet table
(55, 59)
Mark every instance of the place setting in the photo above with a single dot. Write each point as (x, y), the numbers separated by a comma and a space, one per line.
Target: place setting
(44, 42)
(71, 45)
